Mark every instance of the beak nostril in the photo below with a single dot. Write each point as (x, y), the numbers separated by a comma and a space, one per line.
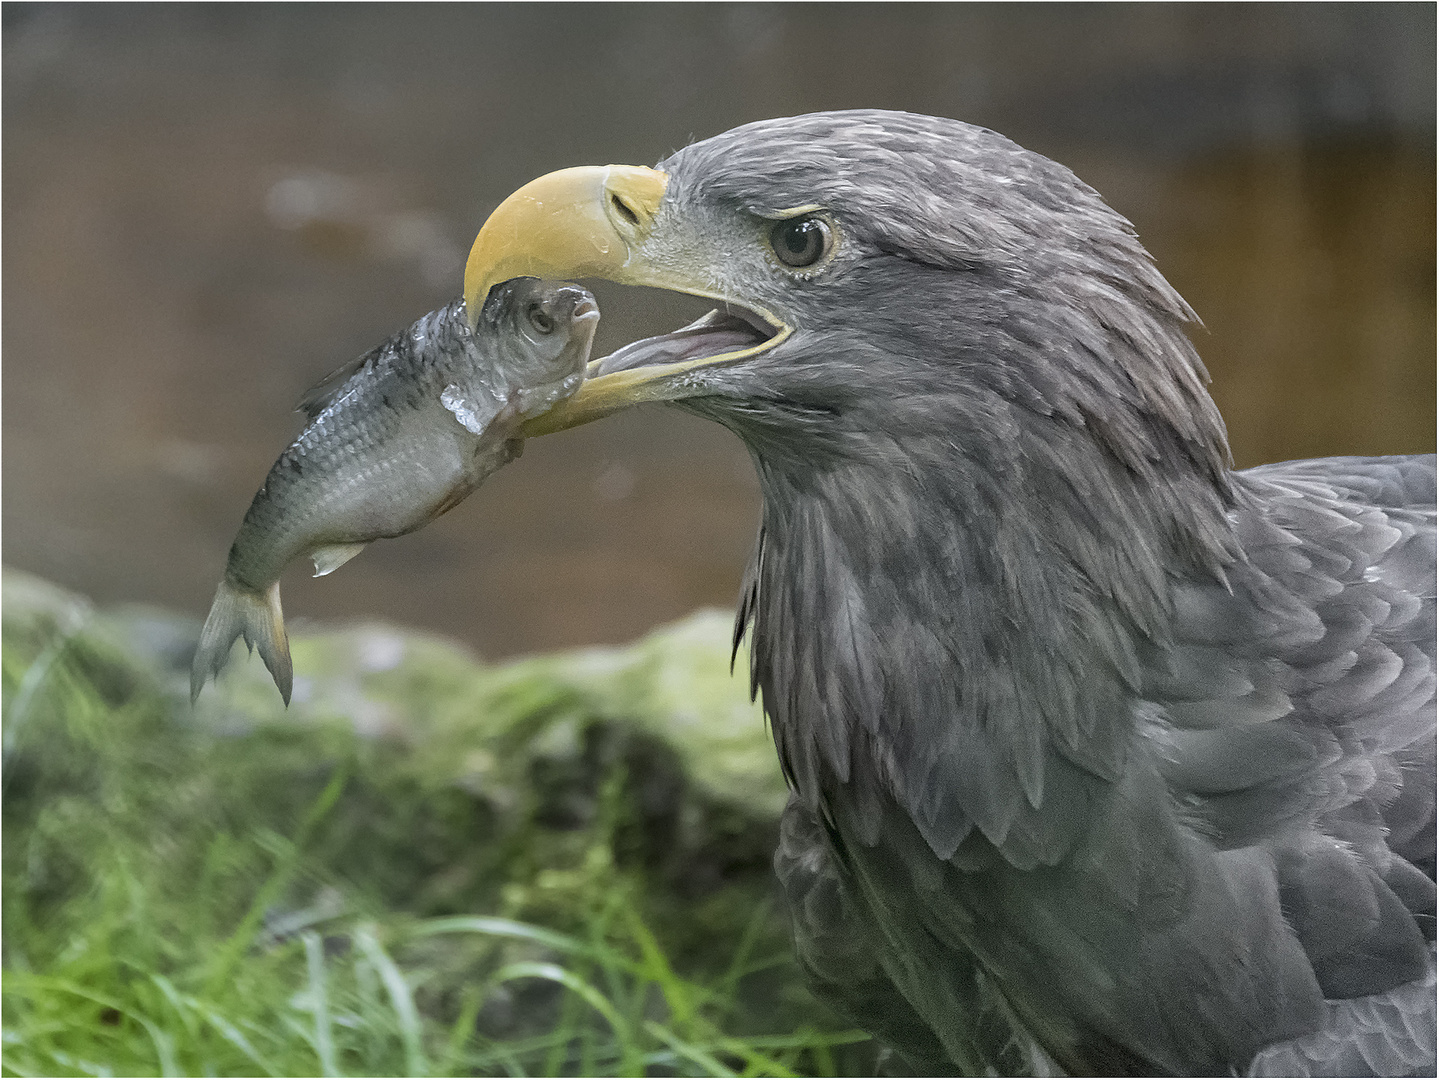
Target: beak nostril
(624, 210)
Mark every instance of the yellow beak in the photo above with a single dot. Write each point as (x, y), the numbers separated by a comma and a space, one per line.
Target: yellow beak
(583, 222)
(591, 221)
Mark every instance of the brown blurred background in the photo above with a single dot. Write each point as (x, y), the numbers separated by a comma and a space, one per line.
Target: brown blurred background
(208, 208)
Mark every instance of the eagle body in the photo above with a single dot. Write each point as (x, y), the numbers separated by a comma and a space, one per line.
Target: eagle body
(1251, 835)
(1106, 758)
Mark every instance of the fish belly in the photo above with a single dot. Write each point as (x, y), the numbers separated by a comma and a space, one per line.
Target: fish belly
(399, 487)
(350, 492)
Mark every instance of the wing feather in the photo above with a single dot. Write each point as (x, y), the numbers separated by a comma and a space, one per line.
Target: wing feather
(1263, 828)
(1339, 787)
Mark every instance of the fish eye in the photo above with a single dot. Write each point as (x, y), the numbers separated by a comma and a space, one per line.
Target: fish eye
(541, 319)
(801, 241)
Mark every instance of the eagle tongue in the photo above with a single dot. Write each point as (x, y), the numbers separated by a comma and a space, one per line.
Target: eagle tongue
(713, 333)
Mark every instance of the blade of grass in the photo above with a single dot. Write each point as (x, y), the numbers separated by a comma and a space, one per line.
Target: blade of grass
(510, 1053)
(74, 1065)
(804, 1040)
(657, 967)
(164, 1049)
(597, 927)
(181, 1009)
(400, 997)
(163, 1044)
(497, 927)
(704, 1060)
(529, 969)
(744, 1049)
(17, 707)
(729, 982)
(463, 1029)
(757, 1064)
(319, 1004)
(231, 1034)
(819, 1044)
(269, 892)
(568, 1028)
(368, 990)
(823, 1060)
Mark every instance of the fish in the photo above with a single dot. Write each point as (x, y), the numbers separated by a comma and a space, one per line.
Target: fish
(394, 440)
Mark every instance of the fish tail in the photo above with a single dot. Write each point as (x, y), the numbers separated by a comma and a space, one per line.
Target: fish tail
(257, 618)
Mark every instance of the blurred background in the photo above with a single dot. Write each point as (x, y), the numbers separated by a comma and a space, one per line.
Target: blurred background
(208, 208)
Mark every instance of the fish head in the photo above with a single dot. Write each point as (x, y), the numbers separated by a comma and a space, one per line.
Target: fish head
(539, 334)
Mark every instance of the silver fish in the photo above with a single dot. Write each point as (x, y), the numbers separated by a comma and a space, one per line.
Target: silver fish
(394, 440)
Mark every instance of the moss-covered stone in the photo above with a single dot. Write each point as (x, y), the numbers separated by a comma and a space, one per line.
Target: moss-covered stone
(407, 780)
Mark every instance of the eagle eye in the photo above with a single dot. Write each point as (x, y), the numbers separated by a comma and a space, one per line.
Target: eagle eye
(801, 241)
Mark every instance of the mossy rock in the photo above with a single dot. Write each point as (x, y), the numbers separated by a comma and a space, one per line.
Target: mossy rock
(407, 781)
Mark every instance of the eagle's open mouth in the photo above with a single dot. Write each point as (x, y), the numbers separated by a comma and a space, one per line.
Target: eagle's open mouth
(663, 368)
(718, 337)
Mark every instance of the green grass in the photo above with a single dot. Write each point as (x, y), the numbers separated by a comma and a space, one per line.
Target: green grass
(244, 892)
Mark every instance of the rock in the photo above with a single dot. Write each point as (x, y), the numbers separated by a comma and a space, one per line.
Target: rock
(413, 779)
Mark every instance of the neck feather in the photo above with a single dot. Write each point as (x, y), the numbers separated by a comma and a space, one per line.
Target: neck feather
(943, 617)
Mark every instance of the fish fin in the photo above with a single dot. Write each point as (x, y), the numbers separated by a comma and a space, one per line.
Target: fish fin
(319, 397)
(475, 418)
(452, 500)
(258, 619)
(329, 559)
